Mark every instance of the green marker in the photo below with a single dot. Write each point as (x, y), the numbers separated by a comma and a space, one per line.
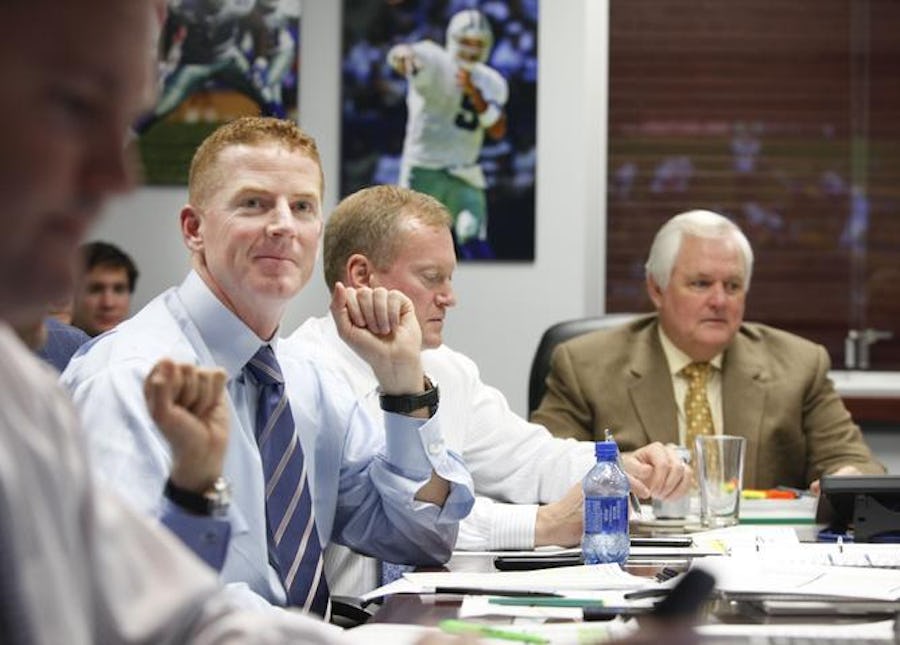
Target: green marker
(547, 602)
(462, 627)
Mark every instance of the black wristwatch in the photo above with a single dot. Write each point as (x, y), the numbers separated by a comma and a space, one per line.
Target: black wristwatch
(406, 403)
(213, 502)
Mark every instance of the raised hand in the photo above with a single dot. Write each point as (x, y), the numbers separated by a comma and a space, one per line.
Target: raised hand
(380, 325)
(188, 404)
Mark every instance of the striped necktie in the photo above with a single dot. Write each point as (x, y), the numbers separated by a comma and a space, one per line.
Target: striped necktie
(294, 547)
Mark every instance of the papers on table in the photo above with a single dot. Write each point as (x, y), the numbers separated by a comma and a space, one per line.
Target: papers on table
(591, 576)
(547, 608)
(839, 555)
(693, 551)
(585, 577)
(755, 575)
(744, 537)
(823, 633)
(764, 559)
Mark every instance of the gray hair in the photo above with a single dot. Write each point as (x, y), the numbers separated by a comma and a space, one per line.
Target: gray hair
(698, 223)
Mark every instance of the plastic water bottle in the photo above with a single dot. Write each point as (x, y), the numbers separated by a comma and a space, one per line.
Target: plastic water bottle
(605, 508)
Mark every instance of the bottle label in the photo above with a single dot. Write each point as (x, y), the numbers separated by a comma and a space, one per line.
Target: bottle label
(606, 515)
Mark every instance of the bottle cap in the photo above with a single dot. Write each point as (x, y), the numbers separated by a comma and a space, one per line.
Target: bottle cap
(606, 450)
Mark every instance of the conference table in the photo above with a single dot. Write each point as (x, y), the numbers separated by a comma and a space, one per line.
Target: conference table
(430, 609)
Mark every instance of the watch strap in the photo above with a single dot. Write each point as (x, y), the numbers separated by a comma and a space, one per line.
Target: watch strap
(212, 502)
(407, 403)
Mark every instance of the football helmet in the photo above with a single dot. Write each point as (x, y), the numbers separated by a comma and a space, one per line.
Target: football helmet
(469, 37)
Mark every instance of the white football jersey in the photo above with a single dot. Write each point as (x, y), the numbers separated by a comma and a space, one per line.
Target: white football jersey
(442, 128)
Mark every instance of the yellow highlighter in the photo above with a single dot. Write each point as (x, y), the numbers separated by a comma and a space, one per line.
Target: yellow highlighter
(452, 626)
(749, 493)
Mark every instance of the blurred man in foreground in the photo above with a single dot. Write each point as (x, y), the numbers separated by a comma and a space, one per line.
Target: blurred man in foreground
(76, 565)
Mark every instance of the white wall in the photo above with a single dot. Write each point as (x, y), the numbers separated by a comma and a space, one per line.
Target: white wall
(504, 307)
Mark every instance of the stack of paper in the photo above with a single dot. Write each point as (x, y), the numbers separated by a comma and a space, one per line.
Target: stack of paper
(586, 577)
(779, 576)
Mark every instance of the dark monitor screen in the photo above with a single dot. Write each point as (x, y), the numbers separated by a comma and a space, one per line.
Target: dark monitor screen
(879, 493)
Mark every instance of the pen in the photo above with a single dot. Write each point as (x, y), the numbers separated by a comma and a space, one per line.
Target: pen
(452, 626)
(608, 613)
(547, 602)
(646, 593)
(474, 591)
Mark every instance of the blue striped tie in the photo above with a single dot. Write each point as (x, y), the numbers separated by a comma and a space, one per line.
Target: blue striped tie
(293, 541)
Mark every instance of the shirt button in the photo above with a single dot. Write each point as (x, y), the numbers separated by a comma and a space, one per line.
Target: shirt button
(435, 447)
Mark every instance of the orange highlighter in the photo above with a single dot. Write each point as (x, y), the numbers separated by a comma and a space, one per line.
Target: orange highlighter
(772, 493)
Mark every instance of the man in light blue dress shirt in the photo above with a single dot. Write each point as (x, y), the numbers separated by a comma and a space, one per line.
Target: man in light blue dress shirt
(252, 226)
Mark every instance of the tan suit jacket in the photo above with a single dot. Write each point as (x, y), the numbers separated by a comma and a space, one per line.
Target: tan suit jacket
(775, 392)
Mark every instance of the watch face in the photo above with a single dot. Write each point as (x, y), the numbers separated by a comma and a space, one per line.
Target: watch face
(220, 496)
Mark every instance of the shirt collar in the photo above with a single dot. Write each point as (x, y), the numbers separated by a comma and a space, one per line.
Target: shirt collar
(677, 359)
(229, 340)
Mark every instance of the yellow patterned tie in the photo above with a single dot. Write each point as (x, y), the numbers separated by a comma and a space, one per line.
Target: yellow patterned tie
(697, 413)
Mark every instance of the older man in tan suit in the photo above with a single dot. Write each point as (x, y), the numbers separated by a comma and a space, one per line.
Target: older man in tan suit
(695, 367)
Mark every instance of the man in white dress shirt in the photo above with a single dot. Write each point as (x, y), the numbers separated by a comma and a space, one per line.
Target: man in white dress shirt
(528, 482)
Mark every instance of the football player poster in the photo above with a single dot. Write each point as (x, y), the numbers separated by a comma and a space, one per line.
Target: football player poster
(218, 60)
(440, 96)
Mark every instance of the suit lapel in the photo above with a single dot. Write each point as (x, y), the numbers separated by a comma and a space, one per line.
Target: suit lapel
(651, 388)
(744, 374)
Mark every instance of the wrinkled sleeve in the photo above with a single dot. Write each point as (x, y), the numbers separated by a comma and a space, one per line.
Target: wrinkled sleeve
(494, 526)
(513, 462)
(205, 536)
(377, 513)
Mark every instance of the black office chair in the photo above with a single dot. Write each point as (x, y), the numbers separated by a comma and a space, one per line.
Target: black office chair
(556, 334)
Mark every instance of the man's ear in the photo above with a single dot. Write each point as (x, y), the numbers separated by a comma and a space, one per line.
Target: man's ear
(654, 291)
(190, 229)
(359, 271)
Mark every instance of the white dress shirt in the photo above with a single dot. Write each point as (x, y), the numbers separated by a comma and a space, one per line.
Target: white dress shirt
(515, 464)
(362, 485)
